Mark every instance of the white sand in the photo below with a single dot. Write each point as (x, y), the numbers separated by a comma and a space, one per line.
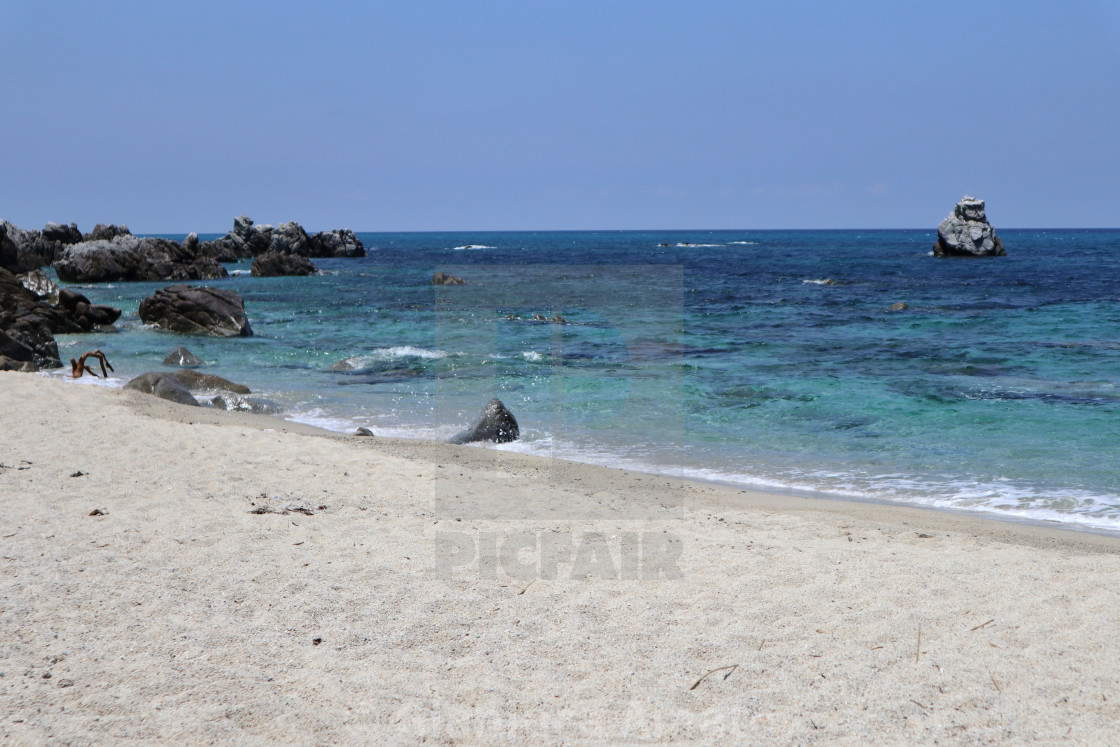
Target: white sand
(180, 617)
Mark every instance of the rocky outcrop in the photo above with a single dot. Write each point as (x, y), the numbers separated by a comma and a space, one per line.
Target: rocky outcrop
(164, 386)
(131, 258)
(102, 232)
(197, 311)
(495, 423)
(275, 263)
(248, 239)
(180, 356)
(966, 232)
(62, 234)
(29, 319)
(442, 278)
(32, 250)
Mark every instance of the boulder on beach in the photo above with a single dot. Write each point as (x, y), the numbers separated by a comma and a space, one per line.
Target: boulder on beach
(966, 232)
(495, 423)
(275, 263)
(180, 356)
(163, 385)
(196, 382)
(255, 405)
(197, 310)
(442, 278)
(133, 258)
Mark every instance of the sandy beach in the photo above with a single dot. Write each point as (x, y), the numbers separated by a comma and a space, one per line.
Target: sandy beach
(172, 574)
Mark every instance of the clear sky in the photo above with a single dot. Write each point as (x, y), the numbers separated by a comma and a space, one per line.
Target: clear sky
(559, 114)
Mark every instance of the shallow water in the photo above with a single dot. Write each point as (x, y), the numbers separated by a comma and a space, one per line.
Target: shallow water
(721, 355)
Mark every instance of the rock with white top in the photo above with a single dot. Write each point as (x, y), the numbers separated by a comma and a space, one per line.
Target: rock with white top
(966, 232)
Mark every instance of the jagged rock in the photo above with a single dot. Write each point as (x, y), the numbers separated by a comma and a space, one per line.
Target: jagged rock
(196, 381)
(966, 232)
(244, 241)
(102, 232)
(180, 356)
(131, 258)
(275, 263)
(62, 234)
(191, 243)
(31, 249)
(162, 385)
(442, 278)
(495, 423)
(341, 242)
(290, 238)
(42, 286)
(9, 250)
(197, 311)
(256, 405)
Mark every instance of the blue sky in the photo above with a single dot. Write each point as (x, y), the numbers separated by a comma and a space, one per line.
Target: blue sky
(612, 114)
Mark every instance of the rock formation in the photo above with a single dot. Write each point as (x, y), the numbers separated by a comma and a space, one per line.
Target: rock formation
(248, 239)
(966, 232)
(196, 381)
(495, 423)
(164, 386)
(275, 263)
(133, 258)
(197, 311)
(442, 278)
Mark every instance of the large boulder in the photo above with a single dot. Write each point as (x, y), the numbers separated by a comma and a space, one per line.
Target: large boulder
(274, 263)
(134, 258)
(196, 381)
(162, 385)
(341, 242)
(88, 314)
(495, 423)
(966, 232)
(197, 311)
(290, 238)
(256, 405)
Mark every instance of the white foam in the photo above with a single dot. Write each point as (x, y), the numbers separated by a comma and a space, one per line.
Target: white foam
(468, 247)
(532, 355)
(112, 382)
(744, 243)
(820, 281)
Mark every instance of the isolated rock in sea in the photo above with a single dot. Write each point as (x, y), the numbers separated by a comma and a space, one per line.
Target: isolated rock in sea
(131, 258)
(966, 232)
(201, 382)
(180, 356)
(255, 405)
(495, 423)
(340, 242)
(442, 278)
(197, 310)
(276, 263)
(898, 306)
(342, 365)
(164, 386)
(102, 232)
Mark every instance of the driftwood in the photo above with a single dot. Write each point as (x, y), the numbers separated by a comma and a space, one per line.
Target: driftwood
(79, 367)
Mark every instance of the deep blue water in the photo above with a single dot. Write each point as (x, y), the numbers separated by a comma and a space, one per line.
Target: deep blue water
(720, 356)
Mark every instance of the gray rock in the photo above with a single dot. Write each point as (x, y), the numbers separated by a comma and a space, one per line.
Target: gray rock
(966, 232)
(245, 240)
(62, 234)
(276, 263)
(255, 405)
(341, 242)
(164, 386)
(363, 432)
(290, 238)
(342, 365)
(31, 250)
(898, 306)
(197, 310)
(131, 258)
(42, 286)
(180, 356)
(191, 243)
(197, 382)
(102, 232)
(495, 423)
(88, 314)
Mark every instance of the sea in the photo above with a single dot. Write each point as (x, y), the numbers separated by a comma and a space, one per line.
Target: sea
(763, 359)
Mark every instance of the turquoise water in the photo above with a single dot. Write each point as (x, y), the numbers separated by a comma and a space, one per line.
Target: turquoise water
(717, 355)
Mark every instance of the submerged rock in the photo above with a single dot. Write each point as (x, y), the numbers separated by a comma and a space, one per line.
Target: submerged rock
(442, 278)
(966, 232)
(898, 306)
(180, 356)
(164, 386)
(197, 310)
(495, 423)
(342, 365)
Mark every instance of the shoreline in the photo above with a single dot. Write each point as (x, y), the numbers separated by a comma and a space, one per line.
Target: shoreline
(247, 578)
